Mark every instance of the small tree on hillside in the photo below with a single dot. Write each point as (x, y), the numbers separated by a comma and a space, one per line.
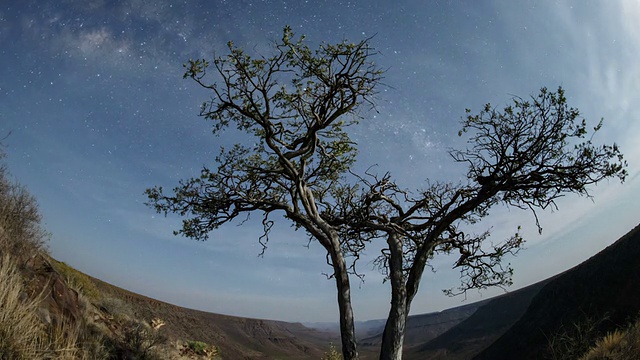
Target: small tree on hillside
(527, 155)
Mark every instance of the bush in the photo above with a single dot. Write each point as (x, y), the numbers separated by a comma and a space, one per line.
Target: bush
(20, 231)
(333, 354)
(138, 340)
(199, 348)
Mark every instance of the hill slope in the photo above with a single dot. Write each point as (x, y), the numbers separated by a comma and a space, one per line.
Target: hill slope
(607, 286)
(479, 330)
(236, 337)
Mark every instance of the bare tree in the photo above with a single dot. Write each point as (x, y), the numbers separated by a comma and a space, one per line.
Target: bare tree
(293, 107)
(527, 156)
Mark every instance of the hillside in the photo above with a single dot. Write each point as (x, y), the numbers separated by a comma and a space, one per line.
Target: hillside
(599, 288)
(232, 337)
(601, 294)
(236, 337)
(598, 295)
(492, 318)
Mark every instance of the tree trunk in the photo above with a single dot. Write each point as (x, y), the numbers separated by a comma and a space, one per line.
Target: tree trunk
(394, 330)
(347, 327)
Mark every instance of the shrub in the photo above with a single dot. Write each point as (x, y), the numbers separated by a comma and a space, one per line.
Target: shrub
(199, 348)
(20, 231)
(332, 354)
(138, 339)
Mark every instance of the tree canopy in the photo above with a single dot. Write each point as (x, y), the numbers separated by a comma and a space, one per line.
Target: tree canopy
(294, 108)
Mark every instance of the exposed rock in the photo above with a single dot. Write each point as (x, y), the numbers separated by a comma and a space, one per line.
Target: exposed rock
(59, 303)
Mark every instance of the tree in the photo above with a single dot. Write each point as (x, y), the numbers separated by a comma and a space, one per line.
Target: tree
(293, 107)
(527, 155)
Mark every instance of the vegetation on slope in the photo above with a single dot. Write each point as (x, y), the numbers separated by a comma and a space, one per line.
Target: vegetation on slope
(583, 340)
(23, 333)
(78, 322)
(617, 345)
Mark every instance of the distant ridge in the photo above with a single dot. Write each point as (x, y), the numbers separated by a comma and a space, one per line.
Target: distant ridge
(423, 327)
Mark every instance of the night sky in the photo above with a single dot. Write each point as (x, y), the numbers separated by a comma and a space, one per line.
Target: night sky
(92, 95)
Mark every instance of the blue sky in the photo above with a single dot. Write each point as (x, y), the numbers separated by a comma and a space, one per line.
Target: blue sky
(93, 95)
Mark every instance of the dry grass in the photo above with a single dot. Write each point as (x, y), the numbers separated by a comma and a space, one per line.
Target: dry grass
(571, 341)
(20, 327)
(23, 334)
(26, 332)
(617, 345)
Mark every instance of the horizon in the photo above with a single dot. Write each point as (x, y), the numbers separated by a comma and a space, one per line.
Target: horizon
(93, 98)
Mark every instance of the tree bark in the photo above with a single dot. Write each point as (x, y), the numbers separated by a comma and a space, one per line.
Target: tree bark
(347, 327)
(394, 330)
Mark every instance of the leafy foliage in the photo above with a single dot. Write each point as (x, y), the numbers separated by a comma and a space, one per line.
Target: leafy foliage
(300, 146)
(200, 348)
(533, 152)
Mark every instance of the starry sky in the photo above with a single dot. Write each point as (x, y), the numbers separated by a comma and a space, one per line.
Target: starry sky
(92, 95)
